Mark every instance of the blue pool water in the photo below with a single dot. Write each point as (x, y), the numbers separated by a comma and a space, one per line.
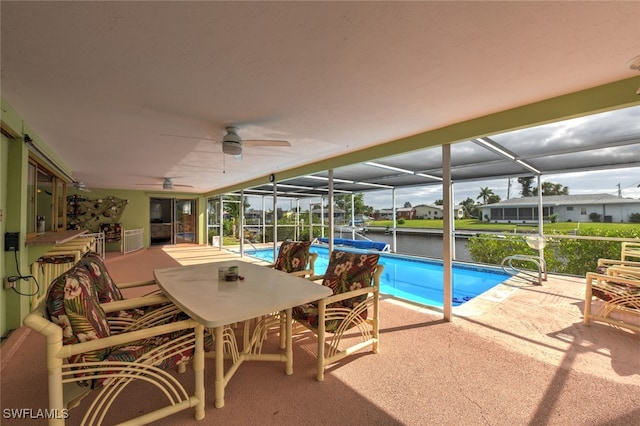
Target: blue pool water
(416, 279)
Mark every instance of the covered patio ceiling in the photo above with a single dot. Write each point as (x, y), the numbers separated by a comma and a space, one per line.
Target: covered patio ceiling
(126, 94)
(609, 140)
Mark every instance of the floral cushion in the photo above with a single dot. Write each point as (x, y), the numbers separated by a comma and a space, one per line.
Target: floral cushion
(293, 256)
(72, 304)
(608, 291)
(134, 351)
(347, 271)
(105, 287)
(350, 271)
(57, 259)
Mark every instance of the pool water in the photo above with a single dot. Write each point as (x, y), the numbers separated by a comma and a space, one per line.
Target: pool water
(415, 279)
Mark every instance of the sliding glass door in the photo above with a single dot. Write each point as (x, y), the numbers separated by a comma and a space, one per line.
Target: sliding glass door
(173, 221)
(185, 221)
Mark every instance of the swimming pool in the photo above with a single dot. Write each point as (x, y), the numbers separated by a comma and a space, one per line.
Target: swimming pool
(415, 279)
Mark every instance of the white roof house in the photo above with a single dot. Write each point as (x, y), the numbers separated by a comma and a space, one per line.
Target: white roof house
(569, 208)
(430, 211)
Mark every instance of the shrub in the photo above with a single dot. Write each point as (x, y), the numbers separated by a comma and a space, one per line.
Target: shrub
(564, 256)
(634, 218)
(595, 217)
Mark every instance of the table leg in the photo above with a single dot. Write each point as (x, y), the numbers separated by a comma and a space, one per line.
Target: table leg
(219, 364)
(289, 342)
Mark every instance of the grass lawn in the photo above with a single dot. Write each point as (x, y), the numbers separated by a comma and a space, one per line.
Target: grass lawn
(474, 224)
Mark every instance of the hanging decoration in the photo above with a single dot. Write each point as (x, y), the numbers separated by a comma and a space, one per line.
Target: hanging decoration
(86, 213)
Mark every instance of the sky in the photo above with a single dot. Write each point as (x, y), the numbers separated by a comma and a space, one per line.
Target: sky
(623, 124)
(595, 182)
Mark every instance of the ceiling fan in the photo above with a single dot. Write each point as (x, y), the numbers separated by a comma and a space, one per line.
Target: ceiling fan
(233, 144)
(80, 186)
(167, 184)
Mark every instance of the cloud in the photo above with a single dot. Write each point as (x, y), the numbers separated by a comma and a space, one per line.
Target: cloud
(595, 182)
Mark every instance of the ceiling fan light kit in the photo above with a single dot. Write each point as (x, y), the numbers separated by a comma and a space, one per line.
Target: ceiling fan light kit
(231, 142)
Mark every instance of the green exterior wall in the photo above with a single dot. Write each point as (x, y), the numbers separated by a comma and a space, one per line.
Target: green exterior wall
(14, 156)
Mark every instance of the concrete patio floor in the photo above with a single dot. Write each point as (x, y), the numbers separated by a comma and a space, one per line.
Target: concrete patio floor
(518, 354)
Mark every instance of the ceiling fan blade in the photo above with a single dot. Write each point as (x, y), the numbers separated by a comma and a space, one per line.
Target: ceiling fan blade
(191, 137)
(266, 142)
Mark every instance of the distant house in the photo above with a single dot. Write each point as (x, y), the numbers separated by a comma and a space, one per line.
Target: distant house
(383, 214)
(429, 211)
(360, 220)
(406, 213)
(569, 208)
(317, 212)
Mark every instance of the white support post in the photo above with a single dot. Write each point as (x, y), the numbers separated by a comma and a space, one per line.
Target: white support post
(310, 222)
(447, 234)
(353, 218)
(221, 230)
(394, 223)
(241, 224)
(322, 216)
(331, 234)
(540, 218)
(275, 220)
(264, 221)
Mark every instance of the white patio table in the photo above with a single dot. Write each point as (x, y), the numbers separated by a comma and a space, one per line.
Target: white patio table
(216, 303)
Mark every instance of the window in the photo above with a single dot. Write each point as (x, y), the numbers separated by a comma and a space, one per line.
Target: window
(583, 210)
(569, 208)
(46, 200)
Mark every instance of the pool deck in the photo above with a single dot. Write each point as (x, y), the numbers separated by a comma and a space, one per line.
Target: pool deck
(517, 354)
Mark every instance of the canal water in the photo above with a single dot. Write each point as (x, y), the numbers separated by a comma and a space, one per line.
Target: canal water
(427, 243)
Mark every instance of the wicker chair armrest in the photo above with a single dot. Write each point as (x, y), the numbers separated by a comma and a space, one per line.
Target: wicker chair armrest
(630, 272)
(348, 295)
(593, 277)
(614, 262)
(126, 337)
(135, 302)
(137, 284)
(375, 288)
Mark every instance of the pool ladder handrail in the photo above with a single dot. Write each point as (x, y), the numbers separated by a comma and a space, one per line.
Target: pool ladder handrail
(540, 263)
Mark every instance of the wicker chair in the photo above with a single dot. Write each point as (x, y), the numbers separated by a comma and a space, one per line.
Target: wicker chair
(618, 294)
(355, 281)
(629, 257)
(294, 258)
(79, 330)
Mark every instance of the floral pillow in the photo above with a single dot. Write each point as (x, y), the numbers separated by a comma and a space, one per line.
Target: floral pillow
(346, 271)
(72, 305)
(349, 271)
(293, 256)
(104, 285)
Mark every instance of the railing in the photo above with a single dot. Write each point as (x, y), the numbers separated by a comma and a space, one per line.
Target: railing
(133, 240)
(99, 242)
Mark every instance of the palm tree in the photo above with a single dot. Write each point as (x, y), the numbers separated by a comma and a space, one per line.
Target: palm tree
(485, 193)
